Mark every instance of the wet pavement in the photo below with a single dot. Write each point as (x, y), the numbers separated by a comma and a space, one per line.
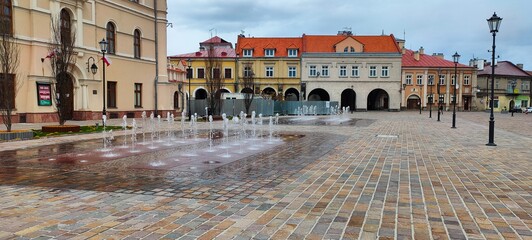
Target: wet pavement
(384, 175)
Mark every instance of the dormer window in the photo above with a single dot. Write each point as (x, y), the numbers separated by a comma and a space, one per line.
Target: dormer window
(247, 52)
(269, 52)
(349, 49)
(292, 52)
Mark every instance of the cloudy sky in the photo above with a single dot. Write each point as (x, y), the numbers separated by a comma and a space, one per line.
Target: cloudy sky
(440, 26)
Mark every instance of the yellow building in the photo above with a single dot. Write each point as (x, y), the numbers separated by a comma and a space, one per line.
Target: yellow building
(135, 81)
(215, 59)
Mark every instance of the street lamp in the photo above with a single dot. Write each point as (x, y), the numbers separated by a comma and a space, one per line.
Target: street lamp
(456, 57)
(439, 98)
(92, 68)
(189, 73)
(513, 83)
(494, 22)
(103, 48)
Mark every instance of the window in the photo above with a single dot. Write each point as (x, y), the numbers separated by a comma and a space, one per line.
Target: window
(138, 95)
(215, 73)
(111, 38)
(354, 71)
(430, 98)
(111, 94)
(6, 17)
(343, 71)
(189, 73)
(135, 1)
(228, 73)
(312, 71)
(201, 73)
(7, 91)
(384, 71)
(269, 71)
(292, 71)
(66, 27)
(292, 52)
(524, 85)
(453, 81)
(325, 70)
(408, 79)
(347, 49)
(466, 80)
(452, 98)
(176, 100)
(524, 103)
(496, 103)
(247, 52)
(373, 71)
(136, 43)
(430, 80)
(419, 79)
(497, 84)
(269, 52)
(442, 98)
(248, 72)
(442, 79)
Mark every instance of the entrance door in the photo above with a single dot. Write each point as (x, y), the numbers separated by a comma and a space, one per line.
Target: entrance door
(65, 92)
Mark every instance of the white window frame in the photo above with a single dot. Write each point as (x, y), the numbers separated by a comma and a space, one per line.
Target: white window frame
(269, 72)
(466, 80)
(453, 81)
(430, 80)
(247, 52)
(269, 52)
(385, 72)
(419, 80)
(292, 71)
(247, 71)
(312, 70)
(342, 72)
(441, 79)
(408, 79)
(372, 71)
(325, 70)
(354, 71)
(292, 52)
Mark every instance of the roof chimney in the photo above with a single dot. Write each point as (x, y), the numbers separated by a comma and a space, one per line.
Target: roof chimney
(520, 65)
(403, 50)
(416, 55)
(421, 50)
(438, 55)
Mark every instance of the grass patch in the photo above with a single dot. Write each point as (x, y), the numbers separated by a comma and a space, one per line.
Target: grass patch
(83, 130)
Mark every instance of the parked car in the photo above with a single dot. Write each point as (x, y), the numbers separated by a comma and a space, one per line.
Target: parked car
(528, 110)
(516, 110)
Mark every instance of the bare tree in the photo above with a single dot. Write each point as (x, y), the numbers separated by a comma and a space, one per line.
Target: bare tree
(248, 86)
(214, 78)
(62, 59)
(9, 83)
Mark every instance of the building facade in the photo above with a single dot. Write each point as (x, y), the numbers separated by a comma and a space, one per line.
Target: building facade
(428, 82)
(136, 79)
(511, 86)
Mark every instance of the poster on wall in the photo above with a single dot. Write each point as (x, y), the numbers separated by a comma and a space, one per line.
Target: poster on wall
(44, 93)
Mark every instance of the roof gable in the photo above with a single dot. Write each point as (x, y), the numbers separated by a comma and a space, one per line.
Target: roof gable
(349, 44)
(504, 68)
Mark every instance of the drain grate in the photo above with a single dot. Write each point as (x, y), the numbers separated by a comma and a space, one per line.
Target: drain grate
(386, 136)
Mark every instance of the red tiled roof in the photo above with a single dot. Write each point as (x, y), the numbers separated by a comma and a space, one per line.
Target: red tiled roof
(427, 61)
(215, 39)
(281, 45)
(504, 68)
(372, 44)
(218, 52)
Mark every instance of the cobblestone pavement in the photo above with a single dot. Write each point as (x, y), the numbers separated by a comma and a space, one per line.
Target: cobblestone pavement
(404, 176)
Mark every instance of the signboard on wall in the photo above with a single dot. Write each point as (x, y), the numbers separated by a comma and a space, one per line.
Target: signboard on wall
(44, 94)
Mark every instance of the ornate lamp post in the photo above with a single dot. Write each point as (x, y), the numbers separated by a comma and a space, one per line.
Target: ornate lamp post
(438, 91)
(103, 47)
(456, 57)
(494, 23)
(189, 76)
(430, 98)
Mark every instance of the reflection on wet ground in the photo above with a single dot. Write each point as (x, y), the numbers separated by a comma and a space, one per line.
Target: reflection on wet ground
(328, 120)
(196, 168)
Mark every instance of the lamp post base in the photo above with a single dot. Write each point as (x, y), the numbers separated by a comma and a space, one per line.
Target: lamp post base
(454, 120)
(491, 133)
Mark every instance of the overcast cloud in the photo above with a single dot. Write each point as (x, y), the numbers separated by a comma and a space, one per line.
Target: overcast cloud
(440, 26)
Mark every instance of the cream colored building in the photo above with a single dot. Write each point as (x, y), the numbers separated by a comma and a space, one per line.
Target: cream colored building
(135, 81)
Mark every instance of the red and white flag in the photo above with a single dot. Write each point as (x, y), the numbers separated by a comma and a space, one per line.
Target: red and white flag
(107, 61)
(50, 54)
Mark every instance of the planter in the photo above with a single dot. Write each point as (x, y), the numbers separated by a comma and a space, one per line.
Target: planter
(16, 134)
(60, 128)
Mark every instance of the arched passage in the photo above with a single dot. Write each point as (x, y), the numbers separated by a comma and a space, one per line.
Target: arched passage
(291, 94)
(176, 100)
(348, 99)
(246, 90)
(318, 94)
(378, 100)
(413, 102)
(269, 92)
(200, 94)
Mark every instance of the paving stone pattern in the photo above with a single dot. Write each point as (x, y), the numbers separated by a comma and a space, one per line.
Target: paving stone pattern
(337, 182)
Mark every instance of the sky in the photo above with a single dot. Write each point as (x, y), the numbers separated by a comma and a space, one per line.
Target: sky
(439, 26)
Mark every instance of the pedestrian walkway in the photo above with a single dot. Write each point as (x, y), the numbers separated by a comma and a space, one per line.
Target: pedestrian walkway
(401, 176)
